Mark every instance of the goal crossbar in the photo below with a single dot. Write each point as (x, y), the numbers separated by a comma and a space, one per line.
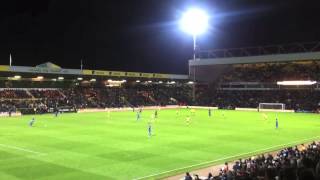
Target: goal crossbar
(271, 107)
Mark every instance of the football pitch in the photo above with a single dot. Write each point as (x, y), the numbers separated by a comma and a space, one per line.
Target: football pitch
(116, 146)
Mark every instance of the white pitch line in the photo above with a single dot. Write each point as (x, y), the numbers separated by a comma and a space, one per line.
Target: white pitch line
(21, 149)
(229, 157)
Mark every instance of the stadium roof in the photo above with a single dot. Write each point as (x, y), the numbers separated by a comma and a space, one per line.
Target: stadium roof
(48, 65)
(50, 68)
(260, 54)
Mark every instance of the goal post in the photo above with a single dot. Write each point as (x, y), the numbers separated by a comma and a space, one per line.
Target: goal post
(271, 107)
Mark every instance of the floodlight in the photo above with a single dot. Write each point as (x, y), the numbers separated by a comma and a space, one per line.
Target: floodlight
(194, 21)
(190, 82)
(137, 81)
(296, 83)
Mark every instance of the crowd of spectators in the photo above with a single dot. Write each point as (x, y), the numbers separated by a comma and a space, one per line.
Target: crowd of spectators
(272, 72)
(46, 93)
(13, 94)
(295, 163)
(155, 95)
(44, 100)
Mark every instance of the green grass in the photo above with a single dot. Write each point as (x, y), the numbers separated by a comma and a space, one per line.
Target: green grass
(93, 146)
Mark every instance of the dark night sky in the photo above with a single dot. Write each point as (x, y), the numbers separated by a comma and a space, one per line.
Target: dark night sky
(142, 35)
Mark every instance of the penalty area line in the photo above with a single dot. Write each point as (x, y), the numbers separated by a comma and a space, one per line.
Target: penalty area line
(22, 149)
(263, 150)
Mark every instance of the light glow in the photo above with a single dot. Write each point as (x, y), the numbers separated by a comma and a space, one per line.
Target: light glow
(110, 81)
(195, 21)
(295, 83)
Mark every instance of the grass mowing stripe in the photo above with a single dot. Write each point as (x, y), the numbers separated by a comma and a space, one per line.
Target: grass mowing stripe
(21, 149)
(230, 157)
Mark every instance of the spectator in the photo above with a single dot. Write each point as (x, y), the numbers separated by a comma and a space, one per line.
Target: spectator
(187, 177)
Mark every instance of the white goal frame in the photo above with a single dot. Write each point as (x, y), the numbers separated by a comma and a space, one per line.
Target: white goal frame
(281, 106)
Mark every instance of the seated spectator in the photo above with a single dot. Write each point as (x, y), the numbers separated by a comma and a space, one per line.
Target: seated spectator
(187, 177)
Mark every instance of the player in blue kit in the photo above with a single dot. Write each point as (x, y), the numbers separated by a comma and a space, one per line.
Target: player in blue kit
(138, 116)
(32, 122)
(149, 129)
(56, 112)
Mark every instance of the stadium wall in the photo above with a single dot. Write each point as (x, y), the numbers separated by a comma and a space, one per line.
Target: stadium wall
(174, 107)
(262, 110)
(6, 114)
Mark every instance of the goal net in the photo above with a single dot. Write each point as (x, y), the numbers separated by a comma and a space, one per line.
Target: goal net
(271, 107)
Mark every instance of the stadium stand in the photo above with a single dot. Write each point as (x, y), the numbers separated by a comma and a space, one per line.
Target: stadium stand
(297, 163)
(245, 77)
(294, 163)
(13, 94)
(273, 72)
(44, 99)
(298, 100)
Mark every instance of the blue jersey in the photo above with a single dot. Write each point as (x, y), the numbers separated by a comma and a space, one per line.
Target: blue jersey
(149, 130)
(31, 122)
(138, 116)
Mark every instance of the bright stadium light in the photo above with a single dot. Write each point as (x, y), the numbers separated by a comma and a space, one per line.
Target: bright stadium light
(137, 81)
(17, 77)
(39, 77)
(296, 83)
(194, 21)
